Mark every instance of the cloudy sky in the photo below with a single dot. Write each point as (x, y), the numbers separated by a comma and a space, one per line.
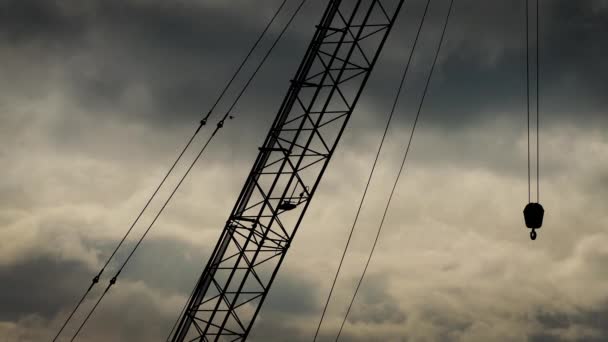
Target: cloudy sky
(97, 97)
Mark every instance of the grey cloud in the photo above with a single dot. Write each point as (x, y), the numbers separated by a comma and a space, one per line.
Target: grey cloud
(466, 87)
(175, 272)
(296, 294)
(374, 305)
(173, 57)
(44, 22)
(559, 326)
(100, 95)
(40, 285)
(165, 63)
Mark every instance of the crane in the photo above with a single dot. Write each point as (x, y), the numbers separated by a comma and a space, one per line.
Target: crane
(286, 173)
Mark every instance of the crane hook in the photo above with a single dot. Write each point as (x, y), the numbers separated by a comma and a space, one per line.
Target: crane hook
(533, 234)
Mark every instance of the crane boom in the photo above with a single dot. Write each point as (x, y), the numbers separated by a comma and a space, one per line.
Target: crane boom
(290, 164)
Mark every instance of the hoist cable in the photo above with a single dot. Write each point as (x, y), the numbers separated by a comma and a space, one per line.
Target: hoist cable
(528, 96)
(369, 179)
(537, 102)
(202, 123)
(218, 127)
(426, 87)
(537, 106)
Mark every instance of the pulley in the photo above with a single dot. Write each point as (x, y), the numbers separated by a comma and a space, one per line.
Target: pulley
(533, 215)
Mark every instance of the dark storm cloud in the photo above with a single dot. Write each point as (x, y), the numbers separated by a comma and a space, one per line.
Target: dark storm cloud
(574, 41)
(175, 272)
(163, 63)
(555, 325)
(42, 285)
(375, 305)
(483, 62)
(41, 21)
(180, 54)
(120, 75)
(296, 294)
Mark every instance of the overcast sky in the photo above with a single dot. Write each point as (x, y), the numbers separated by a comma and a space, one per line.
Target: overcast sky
(97, 97)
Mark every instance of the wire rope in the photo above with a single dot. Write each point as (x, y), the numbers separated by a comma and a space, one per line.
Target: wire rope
(537, 70)
(97, 277)
(390, 117)
(528, 97)
(537, 105)
(218, 127)
(255, 45)
(202, 123)
(143, 236)
(400, 170)
(238, 98)
(274, 44)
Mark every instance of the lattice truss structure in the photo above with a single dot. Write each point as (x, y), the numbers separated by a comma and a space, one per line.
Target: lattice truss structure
(287, 171)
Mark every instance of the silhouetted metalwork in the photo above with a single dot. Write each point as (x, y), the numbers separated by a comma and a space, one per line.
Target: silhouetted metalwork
(533, 215)
(533, 212)
(293, 158)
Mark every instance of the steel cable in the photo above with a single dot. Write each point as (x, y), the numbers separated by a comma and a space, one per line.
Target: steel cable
(390, 117)
(218, 127)
(400, 170)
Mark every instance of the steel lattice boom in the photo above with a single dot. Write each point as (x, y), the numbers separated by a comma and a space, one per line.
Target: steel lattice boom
(287, 171)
